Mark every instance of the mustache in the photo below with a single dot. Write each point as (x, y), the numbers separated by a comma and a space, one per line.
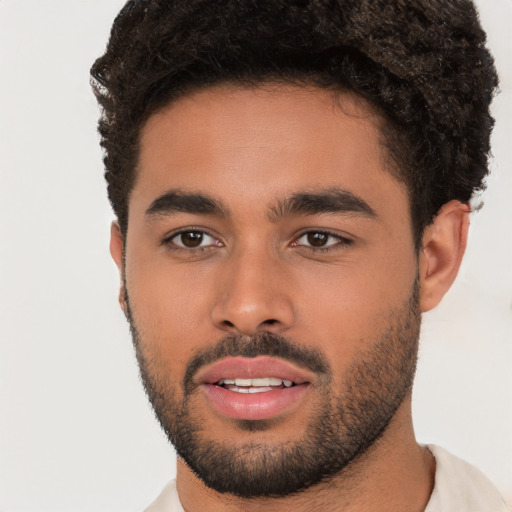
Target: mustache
(260, 344)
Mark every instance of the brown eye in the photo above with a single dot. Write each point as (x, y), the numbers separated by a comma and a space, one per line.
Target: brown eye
(321, 240)
(317, 239)
(194, 240)
(191, 238)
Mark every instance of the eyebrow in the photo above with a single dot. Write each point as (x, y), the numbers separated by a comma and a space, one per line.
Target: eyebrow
(176, 201)
(332, 200)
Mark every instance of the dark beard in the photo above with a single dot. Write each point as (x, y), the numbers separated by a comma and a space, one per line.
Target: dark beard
(344, 425)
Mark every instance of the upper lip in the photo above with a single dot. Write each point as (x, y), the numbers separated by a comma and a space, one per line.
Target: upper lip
(252, 368)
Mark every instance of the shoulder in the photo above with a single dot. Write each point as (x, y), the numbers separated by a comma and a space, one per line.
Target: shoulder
(167, 501)
(461, 486)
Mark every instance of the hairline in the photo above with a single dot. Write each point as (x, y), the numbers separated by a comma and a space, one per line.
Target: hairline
(383, 123)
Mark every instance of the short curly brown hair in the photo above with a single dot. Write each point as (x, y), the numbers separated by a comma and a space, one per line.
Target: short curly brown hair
(422, 63)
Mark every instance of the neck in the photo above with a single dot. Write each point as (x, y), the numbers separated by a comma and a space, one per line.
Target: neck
(394, 474)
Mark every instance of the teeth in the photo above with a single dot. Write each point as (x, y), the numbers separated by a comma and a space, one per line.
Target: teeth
(240, 390)
(243, 382)
(261, 382)
(262, 389)
(259, 390)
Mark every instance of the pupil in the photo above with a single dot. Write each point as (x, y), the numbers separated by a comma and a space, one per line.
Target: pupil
(317, 239)
(192, 239)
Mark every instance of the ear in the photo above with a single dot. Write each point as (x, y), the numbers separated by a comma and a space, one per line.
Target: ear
(444, 243)
(116, 251)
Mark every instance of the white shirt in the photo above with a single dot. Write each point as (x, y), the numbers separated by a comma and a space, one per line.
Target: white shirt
(458, 487)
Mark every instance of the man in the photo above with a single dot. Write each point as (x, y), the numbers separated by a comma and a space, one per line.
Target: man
(292, 183)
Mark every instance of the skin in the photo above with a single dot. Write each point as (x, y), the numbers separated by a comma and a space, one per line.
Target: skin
(249, 148)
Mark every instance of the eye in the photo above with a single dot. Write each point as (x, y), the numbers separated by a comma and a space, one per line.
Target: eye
(321, 240)
(193, 239)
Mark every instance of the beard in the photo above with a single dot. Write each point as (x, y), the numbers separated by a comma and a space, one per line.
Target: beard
(347, 418)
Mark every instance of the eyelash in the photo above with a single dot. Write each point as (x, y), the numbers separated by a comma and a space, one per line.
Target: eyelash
(342, 242)
(172, 246)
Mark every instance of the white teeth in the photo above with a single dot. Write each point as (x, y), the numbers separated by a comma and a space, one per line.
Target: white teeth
(262, 389)
(243, 382)
(259, 390)
(260, 382)
(240, 390)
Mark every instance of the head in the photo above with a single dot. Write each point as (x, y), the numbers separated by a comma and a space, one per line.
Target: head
(422, 65)
(291, 183)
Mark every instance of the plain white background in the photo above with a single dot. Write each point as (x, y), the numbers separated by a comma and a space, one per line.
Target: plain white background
(76, 433)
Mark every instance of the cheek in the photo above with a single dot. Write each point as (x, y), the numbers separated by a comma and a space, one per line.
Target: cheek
(345, 309)
(170, 309)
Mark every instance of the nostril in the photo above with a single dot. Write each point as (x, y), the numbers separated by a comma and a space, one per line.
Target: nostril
(249, 328)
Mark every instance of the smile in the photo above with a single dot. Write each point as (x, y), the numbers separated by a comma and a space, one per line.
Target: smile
(259, 385)
(254, 388)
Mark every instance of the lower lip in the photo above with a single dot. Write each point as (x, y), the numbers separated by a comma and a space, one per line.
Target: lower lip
(254, 406)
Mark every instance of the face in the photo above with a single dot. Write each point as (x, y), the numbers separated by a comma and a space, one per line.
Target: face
(270, 282)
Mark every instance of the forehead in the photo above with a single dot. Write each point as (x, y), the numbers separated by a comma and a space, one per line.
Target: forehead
(249, 146)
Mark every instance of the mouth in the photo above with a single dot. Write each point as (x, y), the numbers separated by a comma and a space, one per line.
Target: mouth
(258, 385)
(254, 388)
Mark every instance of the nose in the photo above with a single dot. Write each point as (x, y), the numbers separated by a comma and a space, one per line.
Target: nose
(253, 296)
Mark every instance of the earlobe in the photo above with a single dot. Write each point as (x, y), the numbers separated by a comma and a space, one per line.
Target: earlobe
(116, 251)
(444, 243)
